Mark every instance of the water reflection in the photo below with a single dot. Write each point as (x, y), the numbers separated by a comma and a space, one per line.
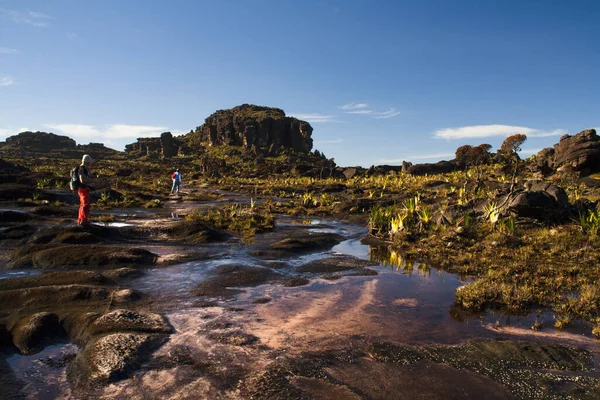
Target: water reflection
(391, 258)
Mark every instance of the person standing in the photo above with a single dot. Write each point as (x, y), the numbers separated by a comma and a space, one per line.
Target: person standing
(83, 191)
(176, 181)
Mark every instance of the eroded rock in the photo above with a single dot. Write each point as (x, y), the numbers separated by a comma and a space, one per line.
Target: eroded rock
(33, 333)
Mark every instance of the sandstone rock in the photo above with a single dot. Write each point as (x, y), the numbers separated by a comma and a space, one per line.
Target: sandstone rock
(33, 333)
(53, 295)
(124, 296)
(40, 141)
(542, 201)
(111, 358)
(302, 242)
(580, 152)
(75, 256)
(54, 278)
(349, 173)
(250, 125)
(165, 146)
(335, 264)
(441, 167)
(126, 320)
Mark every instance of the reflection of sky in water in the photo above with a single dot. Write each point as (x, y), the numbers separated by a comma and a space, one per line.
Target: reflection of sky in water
(18, 273)
(44, 373)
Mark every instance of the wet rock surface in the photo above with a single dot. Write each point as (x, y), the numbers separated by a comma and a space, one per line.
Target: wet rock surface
(233, 276)
(335, 264)
(79, 256)
(111, 358)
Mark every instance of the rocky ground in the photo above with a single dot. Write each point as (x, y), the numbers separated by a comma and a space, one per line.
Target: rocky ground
(235, 333)
(316, 282)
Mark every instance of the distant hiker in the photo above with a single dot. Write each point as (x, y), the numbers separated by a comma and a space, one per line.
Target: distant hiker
(80, 180)
(176, 176)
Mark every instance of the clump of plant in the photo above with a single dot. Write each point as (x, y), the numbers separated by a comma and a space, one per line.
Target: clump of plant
(590, 222)
(244, 220)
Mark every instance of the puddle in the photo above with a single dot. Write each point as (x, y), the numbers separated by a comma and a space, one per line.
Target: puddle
(18, 273)
(113, 224)
(44, 373)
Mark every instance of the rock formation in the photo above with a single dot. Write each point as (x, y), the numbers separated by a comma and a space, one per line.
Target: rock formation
(40, 141)
(441, 167)
(165, 146)
(580, 153)
(49, 144)
(250, 125)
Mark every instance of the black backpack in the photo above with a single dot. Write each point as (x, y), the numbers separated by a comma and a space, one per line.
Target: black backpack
(74, 183)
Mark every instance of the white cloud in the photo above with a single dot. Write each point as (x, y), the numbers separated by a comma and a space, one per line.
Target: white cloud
(484, 131)
(353, 106)
(386, 114)
(327, 141)
(363, 109)
(434, 156)
(6, 132)
(116, 131)
(6, 81)
(134, 131)
(7, 50)
(32, 18)
(314, 118)
(74, 130)
(360, 112)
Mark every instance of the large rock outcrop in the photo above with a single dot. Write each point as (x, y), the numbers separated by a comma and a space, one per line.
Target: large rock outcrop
(165, 146)
(580, 153)
(49, 144)
(40, 141)
(250, 125)
(441, 167)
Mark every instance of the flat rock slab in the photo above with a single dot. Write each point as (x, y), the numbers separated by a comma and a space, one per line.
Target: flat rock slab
(228, 276)
(299, 242)
(55, 278)
(75, 256)
(335, 264)
(55, 295)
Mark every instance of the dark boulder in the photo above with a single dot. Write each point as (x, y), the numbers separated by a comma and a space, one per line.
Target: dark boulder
(33, 333)
(542, 201)
(16, 191)
(350, 173)
(441, 167)
(111, 358)
(301, 242)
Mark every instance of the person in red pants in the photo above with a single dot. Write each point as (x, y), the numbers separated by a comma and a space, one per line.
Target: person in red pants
(84, 190)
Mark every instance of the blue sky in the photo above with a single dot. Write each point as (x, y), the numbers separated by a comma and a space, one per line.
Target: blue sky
(380, 81)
